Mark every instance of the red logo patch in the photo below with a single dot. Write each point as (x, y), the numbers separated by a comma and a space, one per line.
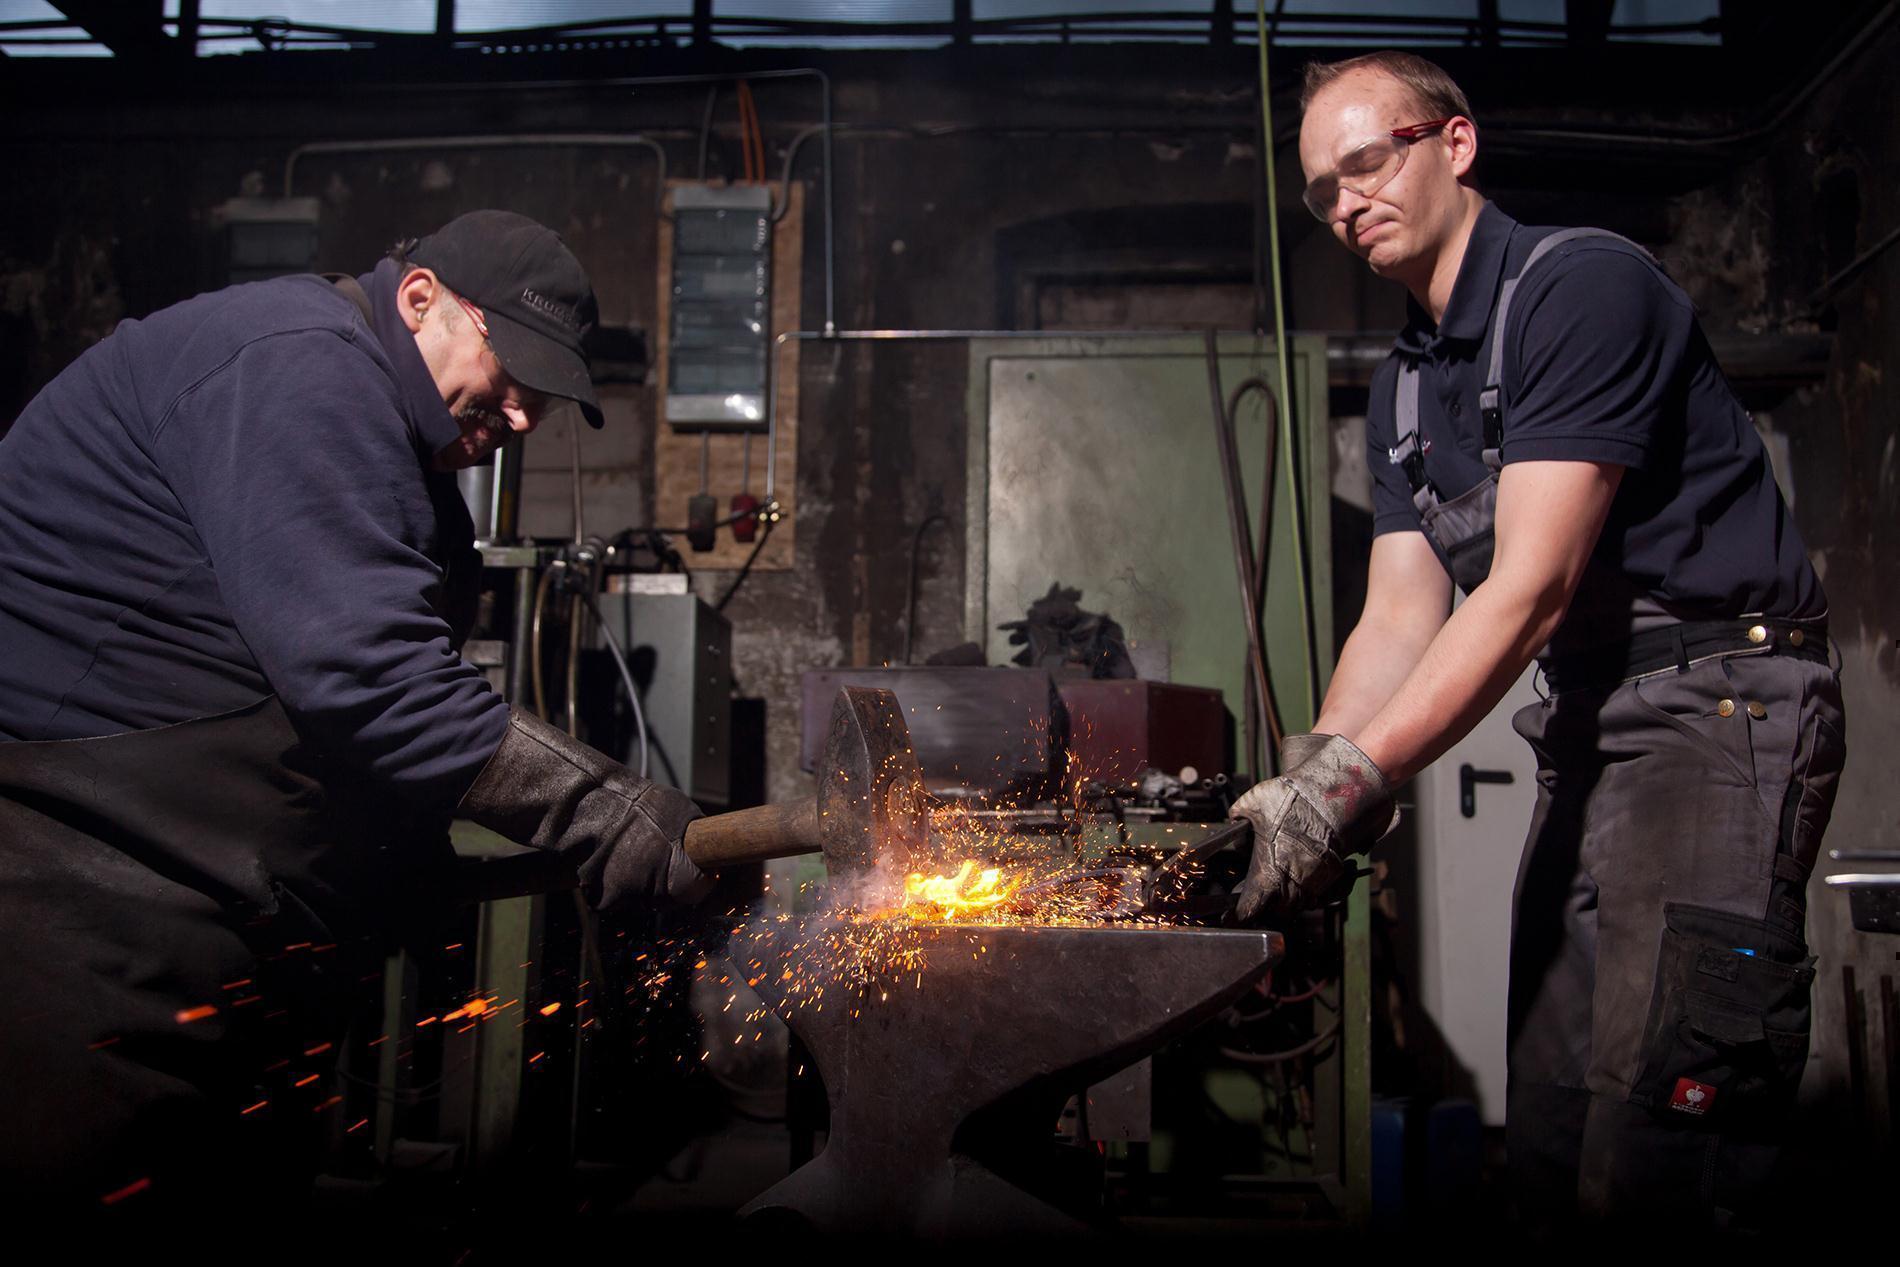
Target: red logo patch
(1692, 1097)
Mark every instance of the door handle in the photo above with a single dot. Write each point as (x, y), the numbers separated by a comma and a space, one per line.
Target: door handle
(1468, 779)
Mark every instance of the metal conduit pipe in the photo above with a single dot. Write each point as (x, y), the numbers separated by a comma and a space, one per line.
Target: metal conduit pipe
(898, 336)
(1652, 139)
(524, 140)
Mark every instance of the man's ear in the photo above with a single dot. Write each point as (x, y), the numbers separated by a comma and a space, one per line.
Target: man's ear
(1461, 141)
(416, 293)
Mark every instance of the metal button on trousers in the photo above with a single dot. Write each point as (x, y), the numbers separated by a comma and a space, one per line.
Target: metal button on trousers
(1653, 793)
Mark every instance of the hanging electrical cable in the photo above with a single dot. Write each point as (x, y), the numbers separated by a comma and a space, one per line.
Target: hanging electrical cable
(1258, 761)
(626, 677)
(765, 534)
(1256, 704)
(541, 590)
(754, 134)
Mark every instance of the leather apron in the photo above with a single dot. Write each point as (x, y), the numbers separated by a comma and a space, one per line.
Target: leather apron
(184, 914)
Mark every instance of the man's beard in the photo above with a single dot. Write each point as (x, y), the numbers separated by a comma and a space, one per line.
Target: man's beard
(482, 432)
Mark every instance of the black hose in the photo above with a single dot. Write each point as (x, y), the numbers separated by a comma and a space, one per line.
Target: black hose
(765, 534)
(1243, 559)
(910, 596)
(705, 129)
(626, 676)
(541, 590)
(733, 518)
(1258, 384)
(1263, 557)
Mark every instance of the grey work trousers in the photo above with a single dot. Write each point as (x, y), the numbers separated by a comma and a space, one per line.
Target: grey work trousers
(1659, 997)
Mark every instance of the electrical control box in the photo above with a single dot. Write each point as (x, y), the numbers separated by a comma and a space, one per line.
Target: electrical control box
(267, 237)
(680, 653)
(719, 333)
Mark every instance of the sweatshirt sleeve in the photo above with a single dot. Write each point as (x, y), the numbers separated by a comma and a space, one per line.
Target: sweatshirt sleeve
(300, 474)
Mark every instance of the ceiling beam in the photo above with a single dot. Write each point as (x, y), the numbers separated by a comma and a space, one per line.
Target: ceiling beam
(130, 28)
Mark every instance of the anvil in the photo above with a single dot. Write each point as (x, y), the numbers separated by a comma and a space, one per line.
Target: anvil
(945, 1086)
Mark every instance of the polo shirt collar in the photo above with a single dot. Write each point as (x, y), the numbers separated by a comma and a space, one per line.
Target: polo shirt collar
(422, 400)
(1473, 295)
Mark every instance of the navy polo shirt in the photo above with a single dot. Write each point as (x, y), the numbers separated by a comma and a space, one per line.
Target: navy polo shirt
(232, 498)
(1604, 362)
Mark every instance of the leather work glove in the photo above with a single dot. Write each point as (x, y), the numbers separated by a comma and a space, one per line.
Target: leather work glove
(623, 834)
(1308, 822)
(1295, 749)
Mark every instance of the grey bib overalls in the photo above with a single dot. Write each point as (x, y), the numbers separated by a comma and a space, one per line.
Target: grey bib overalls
(1659, 1009)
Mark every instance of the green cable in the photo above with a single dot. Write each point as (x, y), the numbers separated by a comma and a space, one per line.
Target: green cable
(1281, 354)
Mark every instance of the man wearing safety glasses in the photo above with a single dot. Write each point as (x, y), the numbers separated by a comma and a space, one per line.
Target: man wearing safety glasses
(1552, 436)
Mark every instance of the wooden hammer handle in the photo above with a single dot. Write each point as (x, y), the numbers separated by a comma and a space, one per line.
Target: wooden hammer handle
(753, 835)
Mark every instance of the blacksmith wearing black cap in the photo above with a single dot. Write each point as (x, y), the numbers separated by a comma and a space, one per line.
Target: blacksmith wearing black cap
(233, 723)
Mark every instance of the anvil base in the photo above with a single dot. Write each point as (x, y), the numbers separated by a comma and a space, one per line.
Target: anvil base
(945, 1087)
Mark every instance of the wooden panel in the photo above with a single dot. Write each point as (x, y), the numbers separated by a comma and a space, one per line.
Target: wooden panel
(676, 456)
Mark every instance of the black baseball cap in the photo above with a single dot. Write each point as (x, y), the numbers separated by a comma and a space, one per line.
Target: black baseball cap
(533, 293)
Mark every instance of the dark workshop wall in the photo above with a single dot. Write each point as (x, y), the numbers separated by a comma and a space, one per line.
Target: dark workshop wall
(1792, 241)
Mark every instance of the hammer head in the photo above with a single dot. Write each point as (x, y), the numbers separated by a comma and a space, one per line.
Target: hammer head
(871, 799)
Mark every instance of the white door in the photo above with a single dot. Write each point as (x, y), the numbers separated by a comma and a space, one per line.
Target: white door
(1470, 836)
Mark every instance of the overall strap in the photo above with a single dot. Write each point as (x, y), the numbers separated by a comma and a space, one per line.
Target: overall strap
(1409, 453)
(1489, 403)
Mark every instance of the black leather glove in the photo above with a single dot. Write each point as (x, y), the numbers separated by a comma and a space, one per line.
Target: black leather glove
(1308, 822)
(622, 833)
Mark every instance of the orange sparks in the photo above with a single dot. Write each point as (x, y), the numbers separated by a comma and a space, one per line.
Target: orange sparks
(318, 1050)
(130, 1190)
(191, 1014)
(550, 1009)
(254, 1108)
(539, 1055)
(102, 1044)
(359, 1126)
(427, 1020)
(236, 985)
(304, 1081)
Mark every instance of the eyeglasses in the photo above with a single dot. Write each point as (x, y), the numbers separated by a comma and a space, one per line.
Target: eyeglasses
(1367, 169)
(533, 401)
(475, 314)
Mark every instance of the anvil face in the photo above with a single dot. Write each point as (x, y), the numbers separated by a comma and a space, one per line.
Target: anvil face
(957, 1071)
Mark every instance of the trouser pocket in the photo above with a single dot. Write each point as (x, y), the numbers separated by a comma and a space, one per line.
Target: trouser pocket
(1727, 1035)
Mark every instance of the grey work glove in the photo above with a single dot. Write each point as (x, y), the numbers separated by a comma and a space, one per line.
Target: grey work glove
(623, 834)
(1295, 749)
(1308, 822)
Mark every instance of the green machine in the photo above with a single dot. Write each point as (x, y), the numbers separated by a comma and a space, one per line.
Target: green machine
(1094, 462)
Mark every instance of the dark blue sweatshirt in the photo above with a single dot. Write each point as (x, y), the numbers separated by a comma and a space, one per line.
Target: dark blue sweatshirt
(233, 498)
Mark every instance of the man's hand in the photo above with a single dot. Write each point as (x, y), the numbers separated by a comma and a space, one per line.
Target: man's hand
(1307, 823)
